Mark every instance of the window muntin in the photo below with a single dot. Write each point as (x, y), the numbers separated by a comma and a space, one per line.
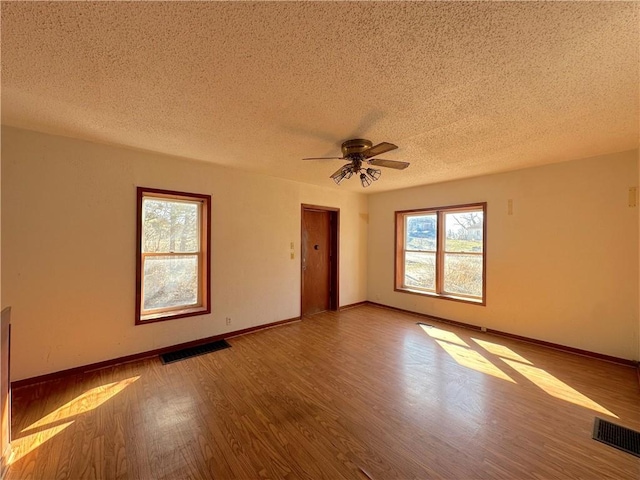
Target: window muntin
(173, 255)
(440, 252)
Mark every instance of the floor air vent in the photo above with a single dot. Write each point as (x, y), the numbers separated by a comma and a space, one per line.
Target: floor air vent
(193, 351)
(616, 436)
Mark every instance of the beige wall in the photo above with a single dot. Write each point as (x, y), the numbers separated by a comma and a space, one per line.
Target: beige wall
(563, 268)
(68, 256)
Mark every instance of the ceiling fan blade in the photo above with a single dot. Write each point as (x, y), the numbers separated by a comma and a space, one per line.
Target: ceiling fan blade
(378, 149)
(324, 158)
(388, 163)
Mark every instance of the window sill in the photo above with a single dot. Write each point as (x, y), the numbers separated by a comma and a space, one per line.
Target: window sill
(455, 298)
(161, 316)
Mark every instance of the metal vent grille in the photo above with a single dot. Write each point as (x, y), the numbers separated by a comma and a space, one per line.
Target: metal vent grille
(193, 351)
(616, 436)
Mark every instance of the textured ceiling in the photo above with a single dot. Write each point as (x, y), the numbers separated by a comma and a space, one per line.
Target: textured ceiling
(463, 89)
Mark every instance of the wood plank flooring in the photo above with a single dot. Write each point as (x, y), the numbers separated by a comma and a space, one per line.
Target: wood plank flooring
(363, 393)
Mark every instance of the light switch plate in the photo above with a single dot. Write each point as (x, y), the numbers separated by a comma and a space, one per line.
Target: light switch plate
(633, 196)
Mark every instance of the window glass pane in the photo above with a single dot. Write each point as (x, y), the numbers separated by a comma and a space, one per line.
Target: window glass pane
(170, 281)
(170, 226)
(421, 232)
(463, 274)
(420, 270)
(463, 231)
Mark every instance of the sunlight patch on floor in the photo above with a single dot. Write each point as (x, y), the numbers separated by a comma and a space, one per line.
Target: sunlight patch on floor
(439, 334)
(83, 403)
(27, 444)
(501, 351)
(471, 359)
(465, 356)
(556, 388)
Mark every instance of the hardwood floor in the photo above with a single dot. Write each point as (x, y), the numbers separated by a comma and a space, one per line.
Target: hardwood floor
(363, 393)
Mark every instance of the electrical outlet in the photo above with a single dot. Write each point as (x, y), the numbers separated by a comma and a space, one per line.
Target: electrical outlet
(228, 320)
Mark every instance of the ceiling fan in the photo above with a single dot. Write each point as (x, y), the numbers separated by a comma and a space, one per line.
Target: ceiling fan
(360, 152)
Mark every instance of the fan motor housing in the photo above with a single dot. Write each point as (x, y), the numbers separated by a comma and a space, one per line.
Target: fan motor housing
(357, 145)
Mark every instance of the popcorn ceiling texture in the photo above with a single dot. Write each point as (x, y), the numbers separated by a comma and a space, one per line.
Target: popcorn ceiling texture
(463, 89)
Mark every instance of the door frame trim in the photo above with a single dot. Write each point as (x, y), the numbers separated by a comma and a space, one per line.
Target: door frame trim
(334, 264)
(5, 366)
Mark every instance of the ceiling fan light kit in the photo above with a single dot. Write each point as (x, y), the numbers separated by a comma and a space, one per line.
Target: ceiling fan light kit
(365, 180)
(374, 173)
(344, 172)
(360, 151)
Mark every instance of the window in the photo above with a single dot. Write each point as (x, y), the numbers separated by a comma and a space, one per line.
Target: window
(441, 252)
(173, 261)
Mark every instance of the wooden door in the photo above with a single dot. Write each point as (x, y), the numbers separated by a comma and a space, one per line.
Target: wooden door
(319, 260)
